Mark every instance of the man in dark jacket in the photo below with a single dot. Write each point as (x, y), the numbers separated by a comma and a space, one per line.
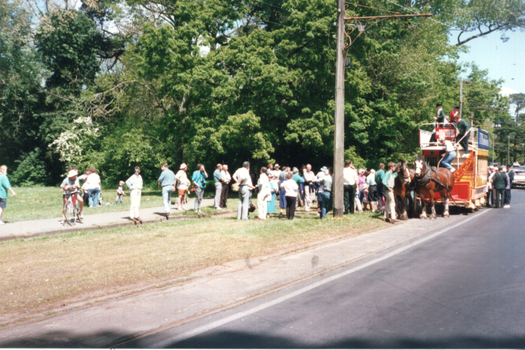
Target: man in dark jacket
(510, 175)
(463, 127)
(499, 182)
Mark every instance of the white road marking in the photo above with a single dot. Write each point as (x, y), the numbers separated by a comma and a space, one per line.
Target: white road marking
(199, 330)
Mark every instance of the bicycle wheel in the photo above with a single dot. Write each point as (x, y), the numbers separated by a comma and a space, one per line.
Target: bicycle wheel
(70, 213)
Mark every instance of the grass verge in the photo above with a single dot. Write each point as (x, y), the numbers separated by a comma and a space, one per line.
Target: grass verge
(34, 203)
(42, 274)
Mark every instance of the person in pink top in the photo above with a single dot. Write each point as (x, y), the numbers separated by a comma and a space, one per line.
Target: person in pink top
(361, 180)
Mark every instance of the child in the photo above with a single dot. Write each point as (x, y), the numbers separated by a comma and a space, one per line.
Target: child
(120, 192)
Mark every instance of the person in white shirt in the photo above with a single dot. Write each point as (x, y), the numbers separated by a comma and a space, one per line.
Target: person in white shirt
(243, 178)
(350, 181)
(135, 183)
(277, 171)
(309, 179)
(226, 179)
(290, 187)
(183, 183)
(448, 156)
(93, 185)
(264, 192)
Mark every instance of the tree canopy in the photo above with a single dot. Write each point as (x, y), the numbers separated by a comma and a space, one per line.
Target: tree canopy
(118, 84)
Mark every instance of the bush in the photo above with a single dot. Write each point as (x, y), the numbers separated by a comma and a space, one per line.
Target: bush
(31, 170)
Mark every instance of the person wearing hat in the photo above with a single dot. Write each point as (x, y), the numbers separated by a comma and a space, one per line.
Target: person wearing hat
(499, 182)
(277, 171)
(453, 115)
(4, 186)
(439, 118)
(463, 135)
(440, 114)
(183, 183)
(70, 187)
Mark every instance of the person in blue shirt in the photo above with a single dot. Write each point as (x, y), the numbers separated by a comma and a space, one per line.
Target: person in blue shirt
(217, 177)
(167, 182)
(199, 180)
(4, 186)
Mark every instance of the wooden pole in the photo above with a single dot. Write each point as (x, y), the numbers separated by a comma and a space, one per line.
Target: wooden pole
(339, 121)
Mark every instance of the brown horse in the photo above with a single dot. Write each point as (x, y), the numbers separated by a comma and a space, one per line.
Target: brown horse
(404, 184)
(430, 181)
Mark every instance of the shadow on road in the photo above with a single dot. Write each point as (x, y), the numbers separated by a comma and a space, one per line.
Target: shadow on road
(249, 340)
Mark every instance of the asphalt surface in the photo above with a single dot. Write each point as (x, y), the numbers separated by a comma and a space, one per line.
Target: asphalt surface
(462, 287)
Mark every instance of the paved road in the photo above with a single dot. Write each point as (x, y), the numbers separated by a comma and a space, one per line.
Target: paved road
(452, 288)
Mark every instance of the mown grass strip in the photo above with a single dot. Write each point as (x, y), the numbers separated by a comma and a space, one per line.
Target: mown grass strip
(42, 274)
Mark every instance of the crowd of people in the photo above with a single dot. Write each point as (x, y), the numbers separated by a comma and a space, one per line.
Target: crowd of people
(499, 186)
(291, 188)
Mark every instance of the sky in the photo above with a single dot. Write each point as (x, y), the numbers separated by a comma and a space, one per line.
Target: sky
(502, 60)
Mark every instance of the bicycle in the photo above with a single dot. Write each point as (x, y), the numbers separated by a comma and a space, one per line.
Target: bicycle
(71, 210)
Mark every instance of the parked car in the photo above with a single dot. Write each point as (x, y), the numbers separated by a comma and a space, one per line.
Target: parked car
(515, 164)
(519, 176)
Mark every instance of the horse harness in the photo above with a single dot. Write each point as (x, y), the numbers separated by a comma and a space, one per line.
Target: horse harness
(428, 176)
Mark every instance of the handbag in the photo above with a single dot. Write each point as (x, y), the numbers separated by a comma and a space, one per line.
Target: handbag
(252, 208)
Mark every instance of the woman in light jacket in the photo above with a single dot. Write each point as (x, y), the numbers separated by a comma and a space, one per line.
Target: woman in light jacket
(183, 183)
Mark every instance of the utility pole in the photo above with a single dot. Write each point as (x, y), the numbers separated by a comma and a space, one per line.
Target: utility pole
(339, 122)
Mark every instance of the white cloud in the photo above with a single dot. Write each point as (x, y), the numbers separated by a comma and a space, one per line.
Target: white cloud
(506, 91)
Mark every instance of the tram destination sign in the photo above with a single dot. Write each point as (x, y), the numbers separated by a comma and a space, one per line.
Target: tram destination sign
(483, 139)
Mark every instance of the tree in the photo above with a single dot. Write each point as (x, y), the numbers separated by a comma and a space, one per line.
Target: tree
(20, 90)
(69, 44)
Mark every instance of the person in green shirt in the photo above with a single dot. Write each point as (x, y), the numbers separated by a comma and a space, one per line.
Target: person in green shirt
(440, 114)
(463, 127)
(380, 190)
(4, 186)
(499, 182)
(299, 180)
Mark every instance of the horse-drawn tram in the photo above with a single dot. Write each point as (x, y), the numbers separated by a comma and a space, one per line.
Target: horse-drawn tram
(470, 176)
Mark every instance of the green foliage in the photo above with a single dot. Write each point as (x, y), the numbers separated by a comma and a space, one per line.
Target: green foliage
(31, 170)
(229, 81)
(21, 95)
(69, 43)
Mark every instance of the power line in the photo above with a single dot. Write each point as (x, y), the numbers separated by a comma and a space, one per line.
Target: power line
(454, 28)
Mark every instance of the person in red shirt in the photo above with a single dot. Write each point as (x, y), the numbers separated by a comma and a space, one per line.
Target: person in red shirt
(453, 115)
